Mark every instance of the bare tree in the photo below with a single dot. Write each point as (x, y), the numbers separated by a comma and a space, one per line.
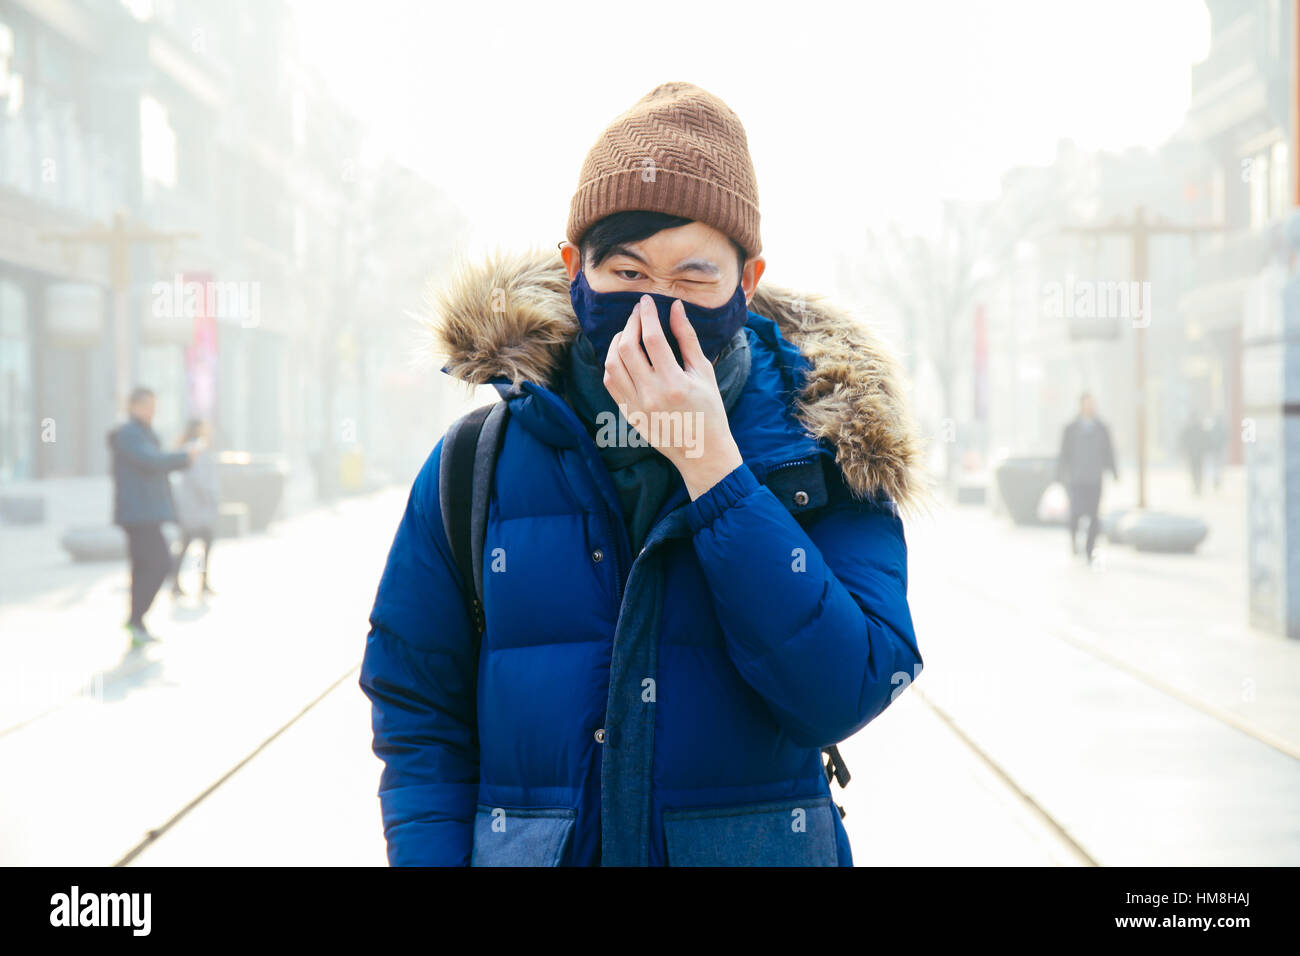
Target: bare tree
(935, 281)
(392, 233)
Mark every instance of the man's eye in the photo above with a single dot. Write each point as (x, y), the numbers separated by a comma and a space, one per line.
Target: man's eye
(631, 275)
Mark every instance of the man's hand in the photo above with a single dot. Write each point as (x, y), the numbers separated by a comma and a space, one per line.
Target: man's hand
(677, 410)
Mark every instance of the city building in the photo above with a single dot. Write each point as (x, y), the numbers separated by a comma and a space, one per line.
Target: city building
(184, 204)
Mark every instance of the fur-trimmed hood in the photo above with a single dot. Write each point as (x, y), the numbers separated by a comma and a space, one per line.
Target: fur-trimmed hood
(508, 317)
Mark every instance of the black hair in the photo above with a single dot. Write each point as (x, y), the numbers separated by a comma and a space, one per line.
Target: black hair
(632, 226)
(138, 393)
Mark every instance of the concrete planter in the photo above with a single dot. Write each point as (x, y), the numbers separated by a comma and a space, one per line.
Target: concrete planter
(103, 542)
(256, 481)
(1162, 532)
(232, 520)
(1111, 525)
(22, 509)
(1021, 482)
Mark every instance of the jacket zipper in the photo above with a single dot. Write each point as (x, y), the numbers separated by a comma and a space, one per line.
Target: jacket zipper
(617, 536)
(790, 464)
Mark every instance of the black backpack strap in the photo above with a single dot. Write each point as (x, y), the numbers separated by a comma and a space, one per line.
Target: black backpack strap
(465, 471)
(836, 769)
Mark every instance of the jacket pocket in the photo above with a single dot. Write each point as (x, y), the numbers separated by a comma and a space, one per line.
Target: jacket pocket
(521, 836)
(797, 832)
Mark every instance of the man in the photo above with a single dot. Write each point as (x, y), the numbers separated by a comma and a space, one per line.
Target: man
(1194, 440)
(681, 613)
(142, 501)
(1216, 447)
(1086, 453)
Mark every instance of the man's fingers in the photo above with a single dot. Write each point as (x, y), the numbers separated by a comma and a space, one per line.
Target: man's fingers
(629, 344)
(692, 354)
(652, 334)
(618, 382)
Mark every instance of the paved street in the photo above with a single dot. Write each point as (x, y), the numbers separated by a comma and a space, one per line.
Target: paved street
(88, 780)
(1131, 700)
(1121, 715)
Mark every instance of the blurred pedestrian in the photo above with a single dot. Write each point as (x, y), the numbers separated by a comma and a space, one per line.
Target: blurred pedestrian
(142, 501)
(1086, 454)
(197, 498)
(1194, 443)
(1216, 447)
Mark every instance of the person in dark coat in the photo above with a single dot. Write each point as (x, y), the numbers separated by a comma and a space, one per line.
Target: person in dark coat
(1195, 442)
(142, 501)
(1086, 454)
(1216, 446)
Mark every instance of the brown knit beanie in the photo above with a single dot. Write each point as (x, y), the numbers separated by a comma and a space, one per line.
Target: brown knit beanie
(680, 150)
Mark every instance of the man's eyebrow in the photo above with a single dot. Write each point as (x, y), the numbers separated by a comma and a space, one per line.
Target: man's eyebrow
(693, 264)
(621, 250)
(698, 265)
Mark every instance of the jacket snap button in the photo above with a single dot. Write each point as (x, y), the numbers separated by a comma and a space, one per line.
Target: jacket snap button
(598, 555)
(801, 498)
(600, 736)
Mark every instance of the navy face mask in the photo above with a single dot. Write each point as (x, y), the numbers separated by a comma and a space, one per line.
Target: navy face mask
(603, 315)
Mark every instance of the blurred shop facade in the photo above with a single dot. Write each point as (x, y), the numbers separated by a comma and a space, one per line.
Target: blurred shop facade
(1058, 313)
(183, 205)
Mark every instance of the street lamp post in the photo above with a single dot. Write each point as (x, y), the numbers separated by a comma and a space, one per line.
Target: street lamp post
(1139, 231)
(119, 237)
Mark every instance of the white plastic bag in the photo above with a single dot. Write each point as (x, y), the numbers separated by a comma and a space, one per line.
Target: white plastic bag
(1054, 505)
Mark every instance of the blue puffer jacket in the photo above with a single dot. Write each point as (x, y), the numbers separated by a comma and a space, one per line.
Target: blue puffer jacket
(660, 708)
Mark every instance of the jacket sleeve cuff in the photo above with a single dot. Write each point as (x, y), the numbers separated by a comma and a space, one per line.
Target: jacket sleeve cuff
(704, 510)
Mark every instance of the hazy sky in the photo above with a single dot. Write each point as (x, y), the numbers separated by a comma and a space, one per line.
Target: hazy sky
(855, 112)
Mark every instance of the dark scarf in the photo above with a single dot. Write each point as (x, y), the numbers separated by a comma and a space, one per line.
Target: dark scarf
(642, 476)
